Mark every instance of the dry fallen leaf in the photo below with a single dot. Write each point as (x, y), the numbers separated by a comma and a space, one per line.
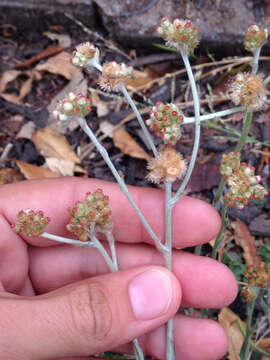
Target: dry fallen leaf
(11, 75)
(128, 145)
(8, 176)
(34, 172)
(51, 144)
(244, 239)
(60, 65)
(140, 80)
(26, 131)
(228, 320)
(102, 107)
(107, 128)
(64, 40)
(61, 166)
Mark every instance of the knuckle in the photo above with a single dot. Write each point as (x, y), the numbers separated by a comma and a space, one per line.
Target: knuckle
(91, 311)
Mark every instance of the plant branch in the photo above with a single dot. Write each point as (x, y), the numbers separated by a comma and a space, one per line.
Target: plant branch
(218, 241)
(191, 120)
(103, 152)
(140, 120)
(170, 353)
(244, 353)
(197, 128)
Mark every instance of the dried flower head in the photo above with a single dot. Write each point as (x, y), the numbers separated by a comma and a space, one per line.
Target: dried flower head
(243, 184)
(167, 166)
(165, 121)
(84, 54)
(181, 34)
(255, 38)
(78, 105)
(114, 76)
(31, 223)
(248, 90)
(93, 214)
(258, 275)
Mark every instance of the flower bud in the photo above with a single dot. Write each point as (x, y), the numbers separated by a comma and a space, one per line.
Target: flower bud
(84, 54)
(255, 38)
(181, 34)
(165, 121)
(77, 105)
(31, 223)
(243, 184)
(93, 214)
(258, 275)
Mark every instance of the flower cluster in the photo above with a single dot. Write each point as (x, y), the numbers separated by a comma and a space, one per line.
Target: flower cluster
(165, 121)
(248, 90)
(78, 105)
(255, 38)
(181, 34)
(258, 275)
(84, 54)
(31, 223)
(114, 76)
(167, 166)
(93, 214)
(243, 184)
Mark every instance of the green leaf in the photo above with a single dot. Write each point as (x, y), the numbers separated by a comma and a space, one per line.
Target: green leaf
(264, 253)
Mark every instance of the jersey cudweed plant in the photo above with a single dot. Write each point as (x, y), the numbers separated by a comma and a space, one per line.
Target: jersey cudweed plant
(92, 216)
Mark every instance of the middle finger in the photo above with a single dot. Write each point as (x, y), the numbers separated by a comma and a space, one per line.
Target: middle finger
(205, 283)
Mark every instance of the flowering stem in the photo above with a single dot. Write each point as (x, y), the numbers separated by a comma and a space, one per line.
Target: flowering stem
(95, 64)
(64, 239)
(247, 122)
(244, 353)
(218, 241)
(255, 63)
(170, 353)
(168, 215)
(197, 128)
(190, 120)
(111, 241)
(134, 108)
(93, 243)
(97, 244)
(140, 120)
(103, 152)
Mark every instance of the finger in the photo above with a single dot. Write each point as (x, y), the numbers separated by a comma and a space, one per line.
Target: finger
(194, 339)
(205, 283)
(195, 221)
(88, 317)
(13, 258)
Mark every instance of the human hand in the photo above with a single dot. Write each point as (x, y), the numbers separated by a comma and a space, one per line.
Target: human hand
(59, 301)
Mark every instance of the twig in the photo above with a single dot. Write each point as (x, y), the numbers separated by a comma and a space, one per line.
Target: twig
(96, 35)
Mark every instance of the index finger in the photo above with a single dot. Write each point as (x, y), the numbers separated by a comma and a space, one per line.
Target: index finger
(194, 221)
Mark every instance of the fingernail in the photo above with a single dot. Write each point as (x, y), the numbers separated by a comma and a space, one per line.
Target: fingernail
(150, 294)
